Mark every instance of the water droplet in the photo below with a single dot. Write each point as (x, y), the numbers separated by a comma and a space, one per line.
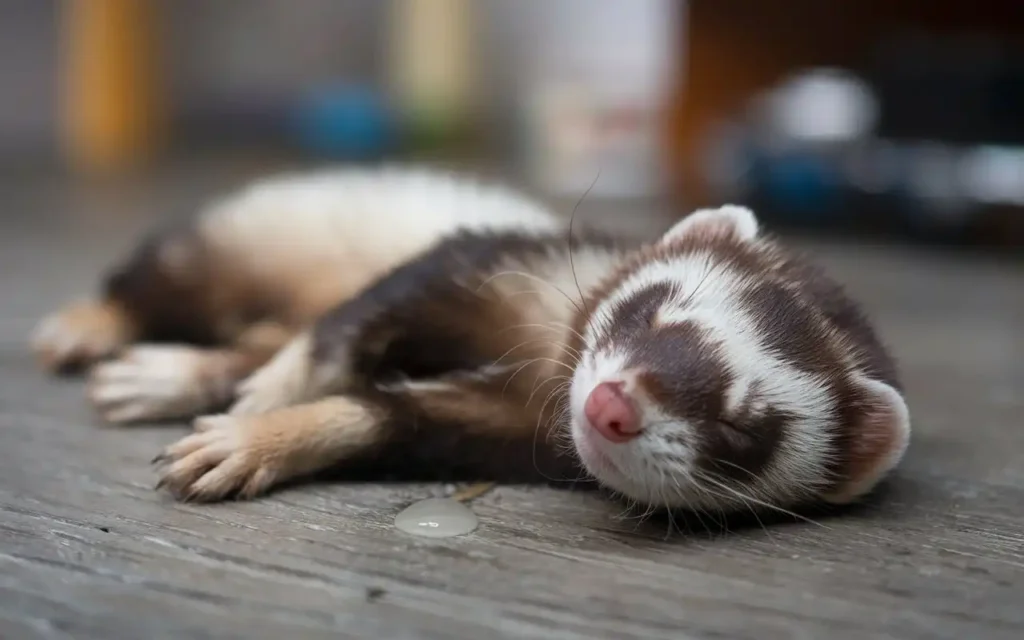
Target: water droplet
(437, 518)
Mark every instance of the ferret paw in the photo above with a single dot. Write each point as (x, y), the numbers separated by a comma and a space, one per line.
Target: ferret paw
(159, 383)
(80, 335)
(226, 456)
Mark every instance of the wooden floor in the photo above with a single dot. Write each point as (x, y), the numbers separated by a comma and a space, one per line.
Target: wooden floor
(89, 550)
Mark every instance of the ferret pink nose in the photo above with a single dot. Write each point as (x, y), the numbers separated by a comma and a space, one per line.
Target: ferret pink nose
(610, 410)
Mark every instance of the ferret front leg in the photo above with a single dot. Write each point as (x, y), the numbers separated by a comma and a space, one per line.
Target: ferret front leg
(462, 426)
(245, 455)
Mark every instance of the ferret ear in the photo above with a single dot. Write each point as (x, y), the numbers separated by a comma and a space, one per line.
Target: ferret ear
(879, 441)
(730, 219)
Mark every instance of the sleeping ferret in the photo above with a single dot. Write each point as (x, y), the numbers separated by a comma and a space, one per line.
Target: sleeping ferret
(415, 324)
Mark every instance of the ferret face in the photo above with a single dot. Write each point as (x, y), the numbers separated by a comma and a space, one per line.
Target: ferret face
(705, 382)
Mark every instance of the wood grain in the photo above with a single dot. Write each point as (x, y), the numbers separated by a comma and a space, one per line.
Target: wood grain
(88, 550)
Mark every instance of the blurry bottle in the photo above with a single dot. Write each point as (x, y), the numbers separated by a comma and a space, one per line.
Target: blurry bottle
(432, 69)
(110, 83)
(598, 82)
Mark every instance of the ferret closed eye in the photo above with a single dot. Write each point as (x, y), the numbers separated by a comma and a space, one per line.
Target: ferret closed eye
(410, 323)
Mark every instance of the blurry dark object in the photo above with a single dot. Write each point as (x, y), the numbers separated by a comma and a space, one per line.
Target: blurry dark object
(967, 90)
(923, 142)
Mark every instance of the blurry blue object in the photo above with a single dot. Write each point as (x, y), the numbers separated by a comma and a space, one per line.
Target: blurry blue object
(800, 184)
(351, 122)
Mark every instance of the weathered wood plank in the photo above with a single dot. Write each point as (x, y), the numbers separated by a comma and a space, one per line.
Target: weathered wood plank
(88, 550)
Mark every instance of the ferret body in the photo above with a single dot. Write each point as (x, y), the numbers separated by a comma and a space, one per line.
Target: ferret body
(416, 324)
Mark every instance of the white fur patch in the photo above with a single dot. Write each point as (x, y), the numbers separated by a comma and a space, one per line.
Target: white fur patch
(364, 217)
(314, 239)
(689, 275)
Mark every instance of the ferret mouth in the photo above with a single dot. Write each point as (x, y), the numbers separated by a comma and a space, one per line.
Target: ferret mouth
(593, 457)
(610, 470)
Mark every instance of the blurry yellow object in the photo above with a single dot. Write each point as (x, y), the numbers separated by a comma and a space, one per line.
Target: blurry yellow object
(432, 66)
(110, 83)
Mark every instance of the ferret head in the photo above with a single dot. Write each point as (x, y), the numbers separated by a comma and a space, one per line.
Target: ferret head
(712, 375)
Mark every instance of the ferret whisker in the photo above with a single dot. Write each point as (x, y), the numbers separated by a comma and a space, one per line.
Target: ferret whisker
(536, 434)
(694, 509)
(709, 269)
(551, 326)
(733, 494)
(634, 515)
(566, 381)
(552, 395)
(697, 511)
(572, 219)
(648, 513)
(721, 496)
(621, 516)
(753, 511)
(563, 443)
(526, 364)
(560, 442)
(574, 359)
(522, 366)
(672, 526)
(518, 346)
(532, 277)
(562, 325)
(557, 363)
(760, 523)
(701, 509)
(668, 512)
(723, 521)
(753, 476)
(743, 497)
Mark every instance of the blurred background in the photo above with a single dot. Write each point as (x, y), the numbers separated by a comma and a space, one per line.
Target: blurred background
(853, 118)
